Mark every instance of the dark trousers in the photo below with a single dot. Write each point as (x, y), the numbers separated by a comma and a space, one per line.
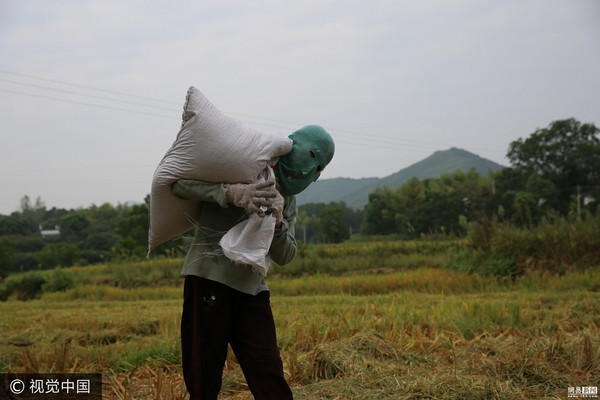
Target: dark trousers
(215, 315)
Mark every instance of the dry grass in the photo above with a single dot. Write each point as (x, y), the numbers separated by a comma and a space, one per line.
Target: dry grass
(435, 335)
(435, 365)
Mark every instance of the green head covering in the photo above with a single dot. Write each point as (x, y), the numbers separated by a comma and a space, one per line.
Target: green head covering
(312, 150)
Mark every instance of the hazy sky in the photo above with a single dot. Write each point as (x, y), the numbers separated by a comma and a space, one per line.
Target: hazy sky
(91, 92)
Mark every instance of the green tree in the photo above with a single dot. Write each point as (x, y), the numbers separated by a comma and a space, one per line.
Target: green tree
(303, 222)
(29, 244)
(309, 228)
(12, 225)
(32, 213)
(7, 253)
(566, 153)
(332, 225)
(544, 194)
(102, 235)
(58, 254)
(72, 226)
(507, 183)
(381, 213)
(52, 217)
(409, 207)
(431, 206)
(135, 225)
(525, 205)
(133, 231)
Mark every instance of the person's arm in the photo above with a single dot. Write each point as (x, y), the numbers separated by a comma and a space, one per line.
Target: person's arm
(283, 247)
(192, 189)
(251, 196)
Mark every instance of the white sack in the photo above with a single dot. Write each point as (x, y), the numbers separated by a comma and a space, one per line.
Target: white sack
(249, 241)
(212, 147)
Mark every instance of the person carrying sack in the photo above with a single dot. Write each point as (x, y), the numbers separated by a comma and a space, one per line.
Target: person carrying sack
(228, 303)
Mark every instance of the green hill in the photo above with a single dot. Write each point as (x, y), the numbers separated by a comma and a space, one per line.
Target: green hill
(355, 192)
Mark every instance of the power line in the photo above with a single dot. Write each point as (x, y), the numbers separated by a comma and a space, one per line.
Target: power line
(285, 122)
(346, 136)
(87, 87)
(362, 142)
(368, 142)
(84, 104)
(86, 95)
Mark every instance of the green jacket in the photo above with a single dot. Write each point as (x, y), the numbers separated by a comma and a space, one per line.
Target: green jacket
(205, 257)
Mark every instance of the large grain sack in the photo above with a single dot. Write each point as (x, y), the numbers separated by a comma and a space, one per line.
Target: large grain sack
(212, 147)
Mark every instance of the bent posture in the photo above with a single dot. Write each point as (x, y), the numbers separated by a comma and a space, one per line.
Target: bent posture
(228, 303)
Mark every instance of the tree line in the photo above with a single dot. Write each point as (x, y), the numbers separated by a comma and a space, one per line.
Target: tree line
(87, 236)
(555, 172)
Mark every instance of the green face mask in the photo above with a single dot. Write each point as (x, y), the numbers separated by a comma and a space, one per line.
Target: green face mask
(312, 150)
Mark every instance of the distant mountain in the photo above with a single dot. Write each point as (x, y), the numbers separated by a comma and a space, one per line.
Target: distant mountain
(355, 192)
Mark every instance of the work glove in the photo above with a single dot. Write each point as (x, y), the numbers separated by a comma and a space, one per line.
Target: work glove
(251, 196)
(276, 207)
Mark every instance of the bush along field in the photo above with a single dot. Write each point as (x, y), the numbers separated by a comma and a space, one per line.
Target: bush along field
(487, 317)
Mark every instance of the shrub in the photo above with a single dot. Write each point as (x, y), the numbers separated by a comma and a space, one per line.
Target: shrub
(26, 286)
(57, 281)
(555, 244)
(25, 262)
(90, 257)
(504, 268)
(58, 254)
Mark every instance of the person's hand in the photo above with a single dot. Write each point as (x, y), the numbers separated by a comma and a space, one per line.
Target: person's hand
(251, 196)
(276, 208)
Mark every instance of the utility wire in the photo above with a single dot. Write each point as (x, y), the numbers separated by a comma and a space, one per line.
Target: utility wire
(291, 123)
(357, 141)
(87, 87)
(347, 136)
(358, 135)
(84, 104)
(86, 95)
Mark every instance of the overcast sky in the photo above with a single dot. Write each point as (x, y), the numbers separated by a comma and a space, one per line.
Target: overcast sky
(91, 92)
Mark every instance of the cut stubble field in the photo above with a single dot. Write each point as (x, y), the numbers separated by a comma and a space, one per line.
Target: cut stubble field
(425, 333)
